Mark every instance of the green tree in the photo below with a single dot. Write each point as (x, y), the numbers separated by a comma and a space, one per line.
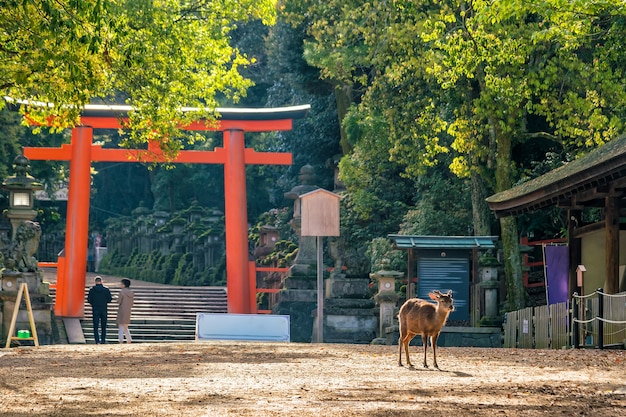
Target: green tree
(482, 80)
(157, 55)
(10, 133)
(520, 62)
(314, 140)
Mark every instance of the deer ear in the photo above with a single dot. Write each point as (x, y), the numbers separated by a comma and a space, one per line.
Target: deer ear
(432, 295)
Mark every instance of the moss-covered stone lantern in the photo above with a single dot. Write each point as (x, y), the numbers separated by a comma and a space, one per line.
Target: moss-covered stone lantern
(21, 188)
(387, 297)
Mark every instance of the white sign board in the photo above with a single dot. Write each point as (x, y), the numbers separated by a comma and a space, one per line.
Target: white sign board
(253, 327)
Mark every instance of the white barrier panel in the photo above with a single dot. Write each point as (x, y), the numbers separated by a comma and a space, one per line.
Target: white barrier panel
(257, 327)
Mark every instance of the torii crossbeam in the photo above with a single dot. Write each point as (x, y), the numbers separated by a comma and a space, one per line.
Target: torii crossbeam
(81, 152)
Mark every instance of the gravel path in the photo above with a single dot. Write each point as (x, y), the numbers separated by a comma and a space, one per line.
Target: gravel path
(306, 380)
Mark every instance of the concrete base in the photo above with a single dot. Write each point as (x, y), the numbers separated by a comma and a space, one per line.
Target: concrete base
(490, 337)
(250, 327)
(74, 331)
(349, 328)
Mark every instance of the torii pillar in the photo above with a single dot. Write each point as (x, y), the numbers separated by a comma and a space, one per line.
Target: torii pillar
(81, 152)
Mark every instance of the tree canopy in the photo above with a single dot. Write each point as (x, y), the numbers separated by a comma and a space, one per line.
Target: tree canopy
(431, 105)
(484, 81)
(156, 55)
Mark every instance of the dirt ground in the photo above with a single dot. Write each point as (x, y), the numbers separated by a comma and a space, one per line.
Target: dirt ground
(306, 380)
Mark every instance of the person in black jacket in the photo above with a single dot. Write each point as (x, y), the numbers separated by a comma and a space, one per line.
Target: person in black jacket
(99, 296)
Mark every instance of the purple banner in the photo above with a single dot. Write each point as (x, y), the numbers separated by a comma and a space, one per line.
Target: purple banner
(557, 269)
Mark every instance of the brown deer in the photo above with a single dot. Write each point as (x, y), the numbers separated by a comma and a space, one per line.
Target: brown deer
(422, 317)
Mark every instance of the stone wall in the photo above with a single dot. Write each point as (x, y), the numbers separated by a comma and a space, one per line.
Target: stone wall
(489, 337)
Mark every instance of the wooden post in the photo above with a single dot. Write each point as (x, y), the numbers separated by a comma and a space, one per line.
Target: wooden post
(611, 282)
(573, 242)
(77, 225)
(319, 323)
(319, 211)
(236, 215)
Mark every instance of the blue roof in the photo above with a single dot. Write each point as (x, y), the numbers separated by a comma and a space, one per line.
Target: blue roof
(443, 242)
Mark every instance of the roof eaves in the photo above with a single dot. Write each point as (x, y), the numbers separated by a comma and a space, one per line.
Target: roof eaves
(561, 182)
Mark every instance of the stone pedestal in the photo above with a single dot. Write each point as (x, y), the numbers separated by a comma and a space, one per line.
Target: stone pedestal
(338, 286)
(297, 298)
(40, 300)
(349, 312)
(349, 320)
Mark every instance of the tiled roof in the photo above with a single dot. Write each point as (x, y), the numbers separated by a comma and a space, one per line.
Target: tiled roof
(443, 242)
(599, 167)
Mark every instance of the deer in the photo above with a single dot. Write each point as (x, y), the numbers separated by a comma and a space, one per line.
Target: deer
(421, 317)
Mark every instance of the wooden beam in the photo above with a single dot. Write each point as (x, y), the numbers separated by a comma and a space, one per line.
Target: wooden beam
(588, 228)
(575, 252)
(611, 282)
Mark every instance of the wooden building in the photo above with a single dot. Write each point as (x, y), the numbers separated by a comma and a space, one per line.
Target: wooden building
(596, 180)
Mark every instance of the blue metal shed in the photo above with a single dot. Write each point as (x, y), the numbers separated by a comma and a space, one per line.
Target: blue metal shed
(443, 263)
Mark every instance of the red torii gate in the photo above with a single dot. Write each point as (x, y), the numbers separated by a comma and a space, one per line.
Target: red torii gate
(71, 272)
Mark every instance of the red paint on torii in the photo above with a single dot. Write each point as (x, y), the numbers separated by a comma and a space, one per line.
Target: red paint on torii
(81, 152)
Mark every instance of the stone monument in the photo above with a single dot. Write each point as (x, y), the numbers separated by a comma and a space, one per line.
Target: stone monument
(298, 295)
(307, 255)
(489, 284)
(387, 298)
(350, 315)
(17, 261)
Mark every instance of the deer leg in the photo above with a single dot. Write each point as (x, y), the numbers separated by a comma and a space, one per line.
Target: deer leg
(403, 343)
(407, 342)
(434, 341)
(425, 343)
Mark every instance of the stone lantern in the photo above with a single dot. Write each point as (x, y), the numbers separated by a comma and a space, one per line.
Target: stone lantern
(178, 225)
(18, 260)
(490, 285)
(195, 211)
(21, 188)
(268, 236)
(306, 256)
(387, 297)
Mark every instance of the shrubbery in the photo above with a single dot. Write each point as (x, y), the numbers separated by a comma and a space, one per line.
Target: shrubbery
(175, 269)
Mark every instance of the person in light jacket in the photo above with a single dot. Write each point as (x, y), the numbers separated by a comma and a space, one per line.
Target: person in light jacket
(125, 304)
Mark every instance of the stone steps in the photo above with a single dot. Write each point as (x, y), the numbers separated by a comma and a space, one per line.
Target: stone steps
(160, 313)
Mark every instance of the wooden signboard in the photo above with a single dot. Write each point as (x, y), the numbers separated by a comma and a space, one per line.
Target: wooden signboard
(320, 213)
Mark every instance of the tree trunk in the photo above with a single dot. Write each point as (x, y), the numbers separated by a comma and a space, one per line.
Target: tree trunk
(343, 97)
(516, 294)
(480, 210)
